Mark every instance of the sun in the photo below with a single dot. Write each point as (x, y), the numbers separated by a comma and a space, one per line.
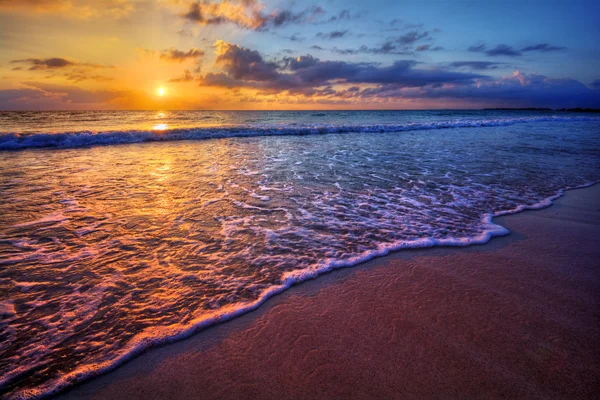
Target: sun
(161, 91)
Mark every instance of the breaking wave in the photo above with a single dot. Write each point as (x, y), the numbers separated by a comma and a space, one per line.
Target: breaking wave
(19, 141)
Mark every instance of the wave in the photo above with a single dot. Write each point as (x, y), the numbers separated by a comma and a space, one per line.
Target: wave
(161, 335)
(72, 139)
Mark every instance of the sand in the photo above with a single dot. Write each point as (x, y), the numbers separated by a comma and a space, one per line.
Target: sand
(518, 317)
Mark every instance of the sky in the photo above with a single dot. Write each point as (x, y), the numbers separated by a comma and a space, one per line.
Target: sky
(330, 54)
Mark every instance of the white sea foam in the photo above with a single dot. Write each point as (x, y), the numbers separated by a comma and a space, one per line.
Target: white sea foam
(17, 141)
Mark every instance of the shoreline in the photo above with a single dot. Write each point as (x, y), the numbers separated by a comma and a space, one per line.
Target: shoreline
(210, 340)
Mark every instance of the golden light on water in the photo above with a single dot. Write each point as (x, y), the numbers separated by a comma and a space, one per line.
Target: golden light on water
(160, 127)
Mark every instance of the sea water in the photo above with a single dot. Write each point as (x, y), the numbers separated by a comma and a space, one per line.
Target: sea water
(122, 230)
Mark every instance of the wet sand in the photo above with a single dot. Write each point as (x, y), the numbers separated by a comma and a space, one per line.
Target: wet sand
(518, 317)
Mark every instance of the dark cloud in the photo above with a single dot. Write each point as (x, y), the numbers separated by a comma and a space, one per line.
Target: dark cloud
(55, 63)
(503, 50)
(516, 90)
(72, 94)
(480, 48)
(315, 47)
(341, 16)
(428, 47)
(595, 84)
(332, 35)
(544, 47)
(187, 77)
(499, 50)
(350, 81)
(43, 96)
(395, 45)
(183, 32)
(293, 38)
(401, 25)
(82, 76)
(296, 63)
(411, 37)
(242, 63)
(247, 14)
(45, 63)
(478, 65)
(14, 96)
(179, 56)
(69, 69)
(388, 47)
(308, 75)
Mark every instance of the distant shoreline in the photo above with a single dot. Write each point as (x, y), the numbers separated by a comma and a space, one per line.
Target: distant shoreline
(577, 109)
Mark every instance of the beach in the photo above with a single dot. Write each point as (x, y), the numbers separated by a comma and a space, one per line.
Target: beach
(514, 318)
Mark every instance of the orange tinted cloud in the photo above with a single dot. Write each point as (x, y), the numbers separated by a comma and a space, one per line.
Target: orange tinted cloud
(247, 14)
(71, 8)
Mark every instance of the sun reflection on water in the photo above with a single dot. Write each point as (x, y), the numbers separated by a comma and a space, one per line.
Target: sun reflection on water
(160, 127)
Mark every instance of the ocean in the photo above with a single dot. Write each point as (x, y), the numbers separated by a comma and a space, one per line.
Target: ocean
(122, 230)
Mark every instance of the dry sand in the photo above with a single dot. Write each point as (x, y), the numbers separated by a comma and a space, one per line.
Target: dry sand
(516, 318)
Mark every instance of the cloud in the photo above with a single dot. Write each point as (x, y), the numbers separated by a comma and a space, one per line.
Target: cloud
(14, 96)
(187, 77)
(71, 70)
(478, 65)
(516, 90)
(73, 94)
(426, 47)
(296, 63)
(480, 48)
(242, 63)
(544, 47)
(395, 45)
(184, 33)
(340, 81)
(341, 16)
(46, 63)
(80, 77)
(43, 96)
(307, 74)
(293, 38)
(499, 50)
(81, 9)
(53, 63)
(388, 47)
(332, 35)
(411, 37)
(247, 14)
(179, 56)
(595, 84)
(503, 50)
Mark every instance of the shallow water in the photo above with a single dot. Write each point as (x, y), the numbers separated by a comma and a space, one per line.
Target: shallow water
(106, 250)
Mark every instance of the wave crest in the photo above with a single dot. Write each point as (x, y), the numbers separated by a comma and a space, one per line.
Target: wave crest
(16, 141)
